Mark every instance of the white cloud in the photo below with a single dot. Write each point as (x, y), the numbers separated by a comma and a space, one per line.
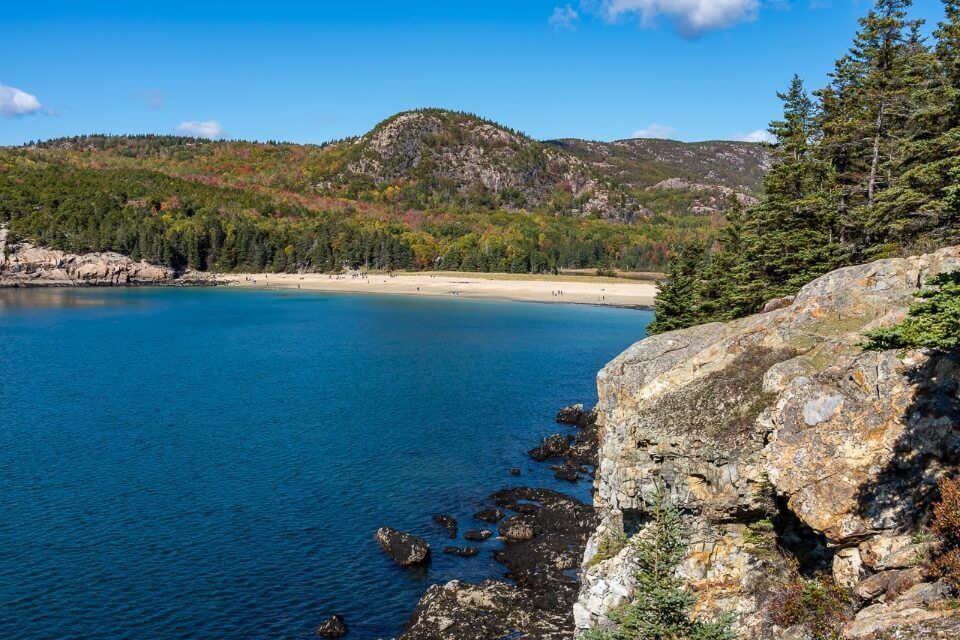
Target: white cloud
(564, 18)
(208, 129)
(655, 131)
(760, 135)
(14, 102)
(691, 18)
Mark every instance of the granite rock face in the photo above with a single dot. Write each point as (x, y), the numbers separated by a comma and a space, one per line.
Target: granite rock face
(24, 264)
(781, 418)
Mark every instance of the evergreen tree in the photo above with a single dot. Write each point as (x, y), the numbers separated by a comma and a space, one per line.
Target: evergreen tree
(869, 169)
(678, 297)
(793, 235)
(662, 605)
(933, 322)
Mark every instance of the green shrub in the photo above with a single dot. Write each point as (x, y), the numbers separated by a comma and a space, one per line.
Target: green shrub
(662, 605)
(820, 606)
(933, 322)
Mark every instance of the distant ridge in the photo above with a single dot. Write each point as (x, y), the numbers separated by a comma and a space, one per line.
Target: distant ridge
(429, 158)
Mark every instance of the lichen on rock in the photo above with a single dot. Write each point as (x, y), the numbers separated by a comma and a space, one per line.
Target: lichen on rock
(779, 423)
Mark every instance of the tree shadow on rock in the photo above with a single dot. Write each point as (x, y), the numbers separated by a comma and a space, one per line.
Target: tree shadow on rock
(901, 495)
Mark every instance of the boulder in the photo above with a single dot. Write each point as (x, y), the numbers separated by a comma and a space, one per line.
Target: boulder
(332, 627)
(571, 414)
(518, 528)
(405, 549)
(569, 474)
(489, 514)
(462, 611)
(478, 535)
(555, 446)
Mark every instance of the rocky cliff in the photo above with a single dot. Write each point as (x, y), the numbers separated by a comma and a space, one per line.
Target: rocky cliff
(23, 264)
(791, 453)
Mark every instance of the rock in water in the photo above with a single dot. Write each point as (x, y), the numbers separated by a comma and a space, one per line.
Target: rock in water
(488, 611)
(405, 549)
(447, 522)
(490, 514)
(518, 528)
(555, 446)
(570, 414)
(332, 627)
(478, 534)
(515, 471)
(463, 552)
(546, 543)
(567, 473)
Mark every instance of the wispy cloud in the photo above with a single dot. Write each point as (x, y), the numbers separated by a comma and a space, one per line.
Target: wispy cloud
(760, 135)
(16, 102)
(207, 129)
(153, 98)
(565, 17)
(655, 131)
(691, 18)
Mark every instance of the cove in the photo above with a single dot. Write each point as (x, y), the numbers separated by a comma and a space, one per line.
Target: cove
(206, 463)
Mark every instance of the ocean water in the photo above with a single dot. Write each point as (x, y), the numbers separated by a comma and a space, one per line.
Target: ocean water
(187, 463)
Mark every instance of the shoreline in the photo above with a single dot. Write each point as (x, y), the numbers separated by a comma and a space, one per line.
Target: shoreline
(608, 292)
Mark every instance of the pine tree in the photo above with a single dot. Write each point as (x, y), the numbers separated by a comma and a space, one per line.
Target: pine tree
(919, 210)
(678, 297)
(662, 606)
(795, 229)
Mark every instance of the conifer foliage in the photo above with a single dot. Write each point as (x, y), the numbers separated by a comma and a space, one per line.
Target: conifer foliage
(662, 606)
(865, 168)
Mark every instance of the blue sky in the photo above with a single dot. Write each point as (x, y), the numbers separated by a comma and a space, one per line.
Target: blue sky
(314, 71)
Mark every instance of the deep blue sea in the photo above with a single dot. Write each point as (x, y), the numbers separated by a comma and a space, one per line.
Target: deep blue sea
(207, 463)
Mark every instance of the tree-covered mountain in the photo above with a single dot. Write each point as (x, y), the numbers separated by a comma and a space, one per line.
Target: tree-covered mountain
(433, 159)
(423, 189)
(865, 168)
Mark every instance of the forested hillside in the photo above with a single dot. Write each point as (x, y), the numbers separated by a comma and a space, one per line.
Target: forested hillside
(865, 168)
(186, 223)
(423, 189)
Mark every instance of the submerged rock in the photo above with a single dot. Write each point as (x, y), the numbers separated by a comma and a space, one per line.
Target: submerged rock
(463, 552)
(447, 522)
(332, 627)
(405, 549)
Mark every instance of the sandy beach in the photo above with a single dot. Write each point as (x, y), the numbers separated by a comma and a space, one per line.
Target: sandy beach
(559, 289)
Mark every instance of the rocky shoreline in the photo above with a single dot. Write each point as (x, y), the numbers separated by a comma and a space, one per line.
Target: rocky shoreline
(544, 534)
(804, 467)
(23, 264)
